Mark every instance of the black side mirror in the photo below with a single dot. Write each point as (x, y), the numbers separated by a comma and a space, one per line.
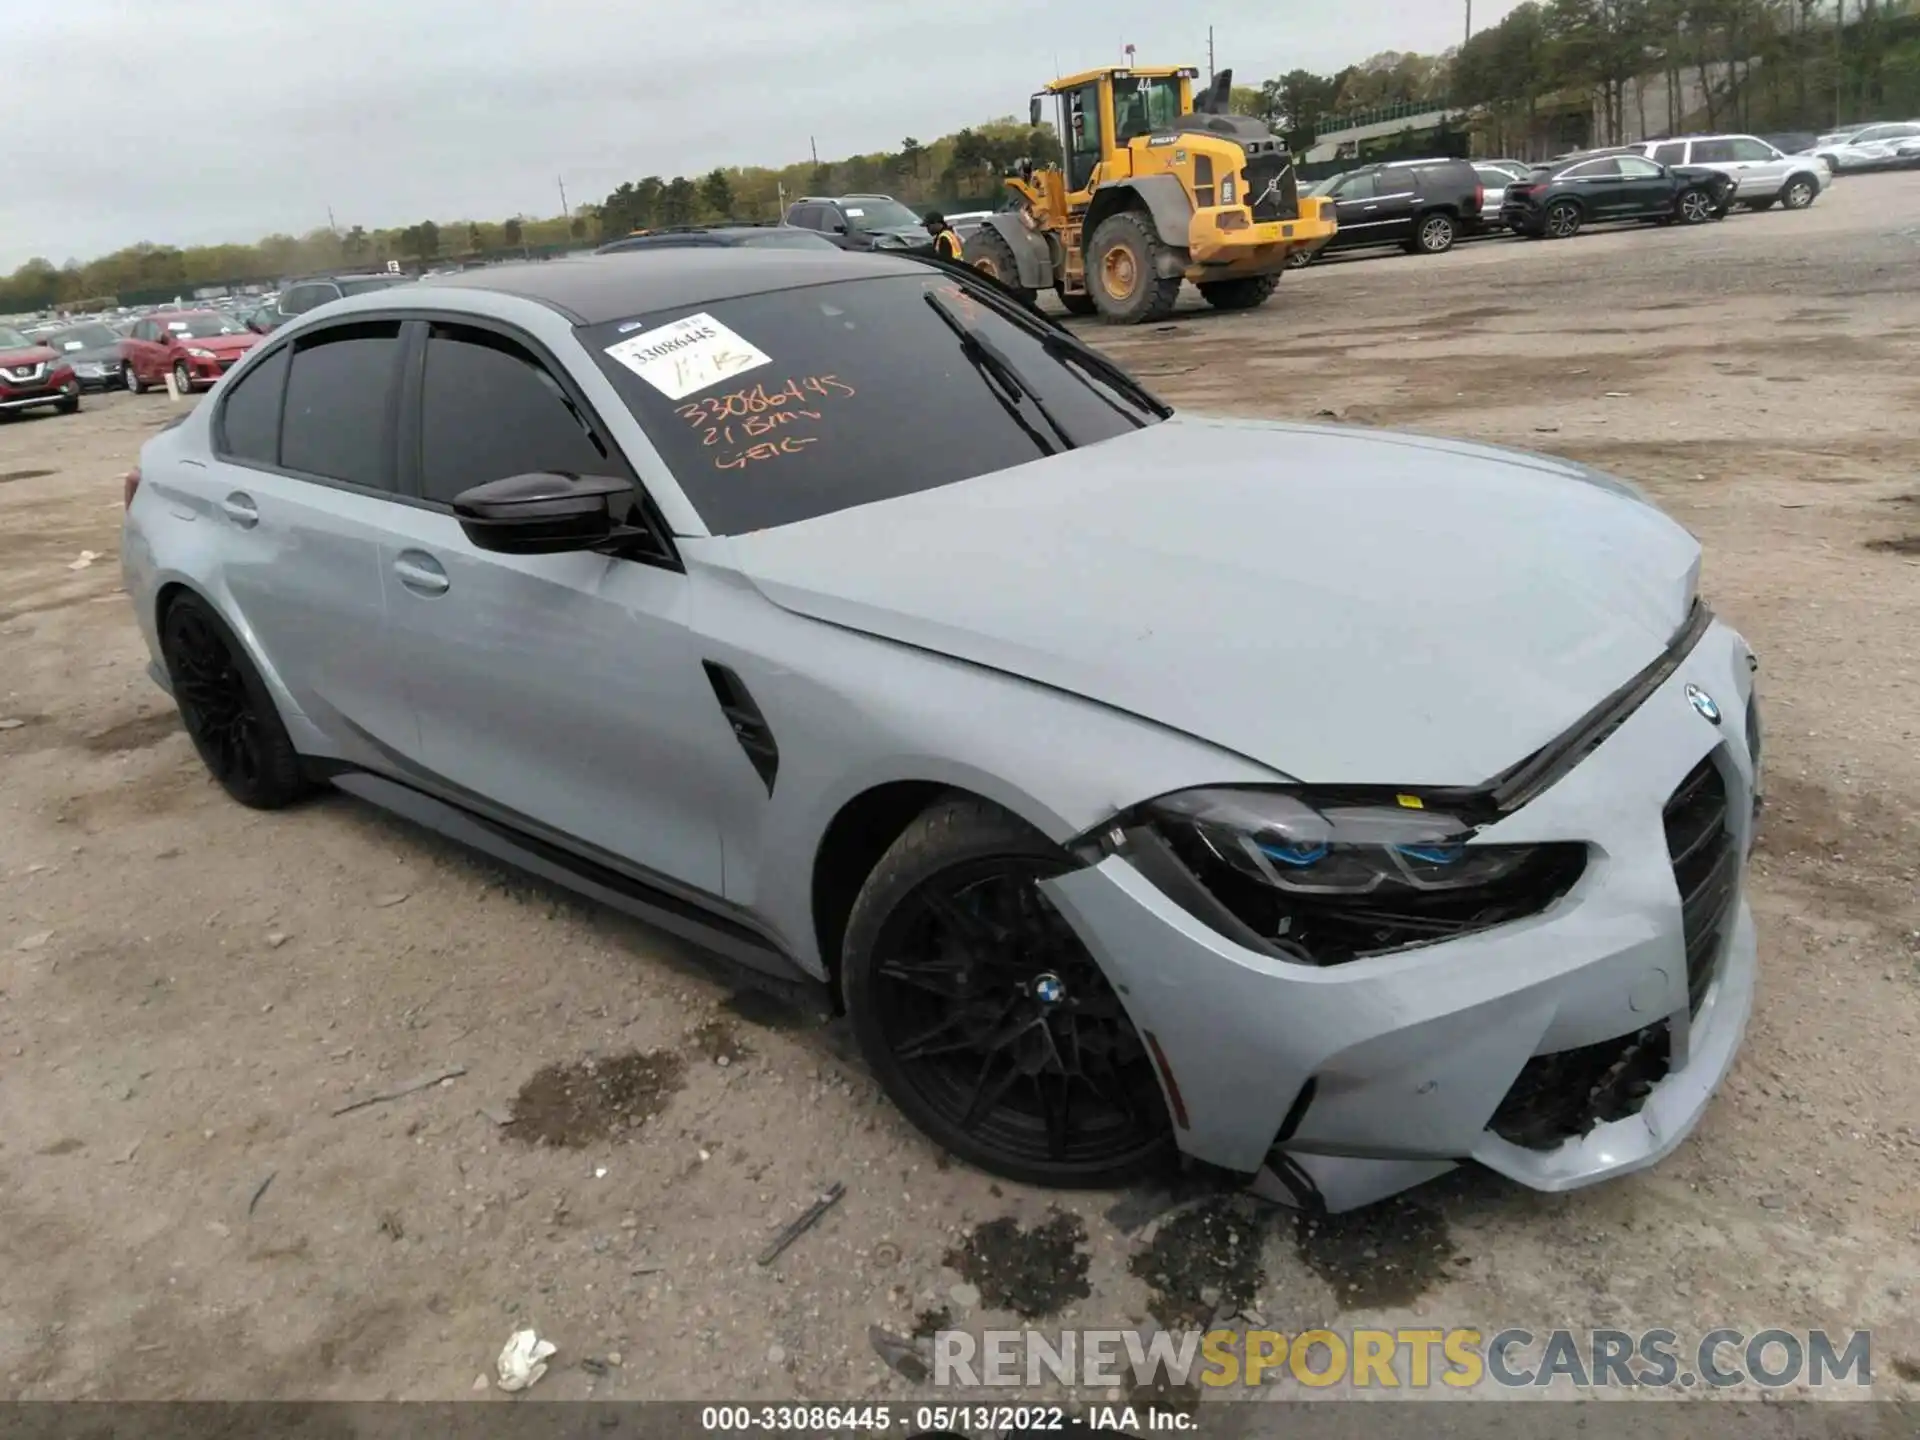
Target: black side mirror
(839, 227)
(1033, 112)
(541, 514)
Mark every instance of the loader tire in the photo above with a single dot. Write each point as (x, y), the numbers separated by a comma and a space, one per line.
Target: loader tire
(1122, 271)
(1249, 292)
(1078, 302)
(988, 252)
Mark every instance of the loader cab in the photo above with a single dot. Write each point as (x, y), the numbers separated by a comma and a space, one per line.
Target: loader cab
(1099, 112)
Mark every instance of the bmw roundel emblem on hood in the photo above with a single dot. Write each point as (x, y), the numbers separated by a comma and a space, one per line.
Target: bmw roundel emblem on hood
(1708, 707)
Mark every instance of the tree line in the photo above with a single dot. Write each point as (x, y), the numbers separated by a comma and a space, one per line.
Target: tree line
(1765, 65)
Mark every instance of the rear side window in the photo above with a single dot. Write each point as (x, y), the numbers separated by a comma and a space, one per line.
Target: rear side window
(338, 418)
(778, 407)
(1672, 153)
(1713, 152)
(488, 410)
(250, 411)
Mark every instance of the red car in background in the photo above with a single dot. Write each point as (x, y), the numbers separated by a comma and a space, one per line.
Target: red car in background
(33, 374)
(197, 346)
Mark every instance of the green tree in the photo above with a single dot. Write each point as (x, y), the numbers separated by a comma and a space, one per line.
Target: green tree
(716, 192)
(912, 152)
(473, 237)
(511, 232)
(679, 201)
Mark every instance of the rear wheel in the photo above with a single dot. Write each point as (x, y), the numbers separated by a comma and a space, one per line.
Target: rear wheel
(1563, 219)
(1695, 206)
(1123, 271)
(1077, 302)
(985, 1018)
(988, 251)
(226, 708)
(1799, 192)
(1433, 235)
(1249, 292)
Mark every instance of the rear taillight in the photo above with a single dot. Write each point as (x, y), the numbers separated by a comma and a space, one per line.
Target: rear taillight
(131, 484)
(1479, 196)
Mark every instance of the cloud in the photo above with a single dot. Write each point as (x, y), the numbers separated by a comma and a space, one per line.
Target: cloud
(197, 121)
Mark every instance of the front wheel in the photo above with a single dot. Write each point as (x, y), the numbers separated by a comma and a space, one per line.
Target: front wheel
(985, 1018)
(988, 251)
(1695, 207)
(226, 708)
(1563, 220)
(182, 377)
(1249, 292)
(68, 406)
(1799, 193)
(1123, 271)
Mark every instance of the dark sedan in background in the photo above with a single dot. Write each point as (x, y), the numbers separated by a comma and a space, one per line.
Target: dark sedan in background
(1599, 187)
(93, 350)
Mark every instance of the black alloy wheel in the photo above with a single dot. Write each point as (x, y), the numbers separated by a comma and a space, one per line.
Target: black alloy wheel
(985, 1017)
(1696, 207)
(1563, 220)
(226, 709)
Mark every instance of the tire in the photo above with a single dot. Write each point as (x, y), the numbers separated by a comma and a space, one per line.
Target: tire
(1249, 292)
(987, 251)
(1434, 234)
(1564, 219)
(1694, 206)
(69, 406)
(951, 946)
(182, 377)
(131, 379)
(1078, 303)
(226, 708)
(1758, 205)
(1122, 273)
(1798, 192)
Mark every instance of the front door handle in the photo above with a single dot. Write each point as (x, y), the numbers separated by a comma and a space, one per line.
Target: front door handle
(421, 573)
(240, 509)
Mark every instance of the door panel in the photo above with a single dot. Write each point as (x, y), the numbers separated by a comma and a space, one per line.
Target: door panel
(562, 688)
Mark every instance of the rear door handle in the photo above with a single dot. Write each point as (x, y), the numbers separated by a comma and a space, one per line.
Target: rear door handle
(421, 573)
(240, 509)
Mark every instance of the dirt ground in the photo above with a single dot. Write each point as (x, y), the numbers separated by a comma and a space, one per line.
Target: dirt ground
(189, 991)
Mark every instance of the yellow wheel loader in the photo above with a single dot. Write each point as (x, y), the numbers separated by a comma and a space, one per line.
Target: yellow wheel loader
(1151, 189)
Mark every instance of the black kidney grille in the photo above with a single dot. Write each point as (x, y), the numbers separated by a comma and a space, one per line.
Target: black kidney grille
(1706, 866)
(1271, 188)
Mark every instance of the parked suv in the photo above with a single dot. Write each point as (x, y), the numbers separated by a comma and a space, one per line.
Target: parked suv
(310, 294)
(1422, 206)
(1761, 173)
(862, 222)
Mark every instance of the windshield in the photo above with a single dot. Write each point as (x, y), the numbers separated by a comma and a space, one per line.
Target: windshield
(11, 339)
(202, 326)
(83, 337)
(779, 407)
(1141, 106)
(369, 284)
(868, 214)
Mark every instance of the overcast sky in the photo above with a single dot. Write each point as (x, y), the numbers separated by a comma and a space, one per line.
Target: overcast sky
(198, 121)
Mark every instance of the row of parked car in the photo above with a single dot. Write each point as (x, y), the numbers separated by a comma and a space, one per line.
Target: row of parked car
(1425, 206)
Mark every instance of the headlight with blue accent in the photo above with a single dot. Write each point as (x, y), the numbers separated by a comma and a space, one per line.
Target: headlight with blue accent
(1326, 877)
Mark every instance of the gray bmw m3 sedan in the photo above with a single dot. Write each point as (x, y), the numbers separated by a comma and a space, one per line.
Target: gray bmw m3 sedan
(1331, 806)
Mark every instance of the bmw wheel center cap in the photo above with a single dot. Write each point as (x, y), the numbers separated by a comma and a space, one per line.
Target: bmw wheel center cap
(1705, 704)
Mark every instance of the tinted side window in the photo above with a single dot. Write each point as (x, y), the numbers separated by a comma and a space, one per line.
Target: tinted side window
(250, 411)
(1635, 167)
(1674, 152)
(488, 410)
(338, 416)
(1746, 148)
(1713, 152)
(1594, 170)
(1355, 187)
(807, 215)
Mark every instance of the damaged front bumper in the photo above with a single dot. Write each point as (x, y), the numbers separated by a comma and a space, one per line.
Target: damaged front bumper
(1559, 1050)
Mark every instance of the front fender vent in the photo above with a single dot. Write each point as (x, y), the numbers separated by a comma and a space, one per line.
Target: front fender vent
(749, 725)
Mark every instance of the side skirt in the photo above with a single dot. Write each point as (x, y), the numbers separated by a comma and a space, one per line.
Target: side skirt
(626, 893)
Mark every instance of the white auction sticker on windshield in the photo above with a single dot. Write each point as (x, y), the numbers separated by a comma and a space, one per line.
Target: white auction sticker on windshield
(688, 355)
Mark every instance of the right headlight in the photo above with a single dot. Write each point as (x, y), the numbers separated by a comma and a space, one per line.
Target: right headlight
(1323, 878)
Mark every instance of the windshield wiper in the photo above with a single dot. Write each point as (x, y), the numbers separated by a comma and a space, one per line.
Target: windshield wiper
(1003, 379)
(1072, 350)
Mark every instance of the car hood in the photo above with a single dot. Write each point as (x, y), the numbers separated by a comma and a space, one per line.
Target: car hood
(92, 355)
(31, 355)
(1346, 606)
(225, 344)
